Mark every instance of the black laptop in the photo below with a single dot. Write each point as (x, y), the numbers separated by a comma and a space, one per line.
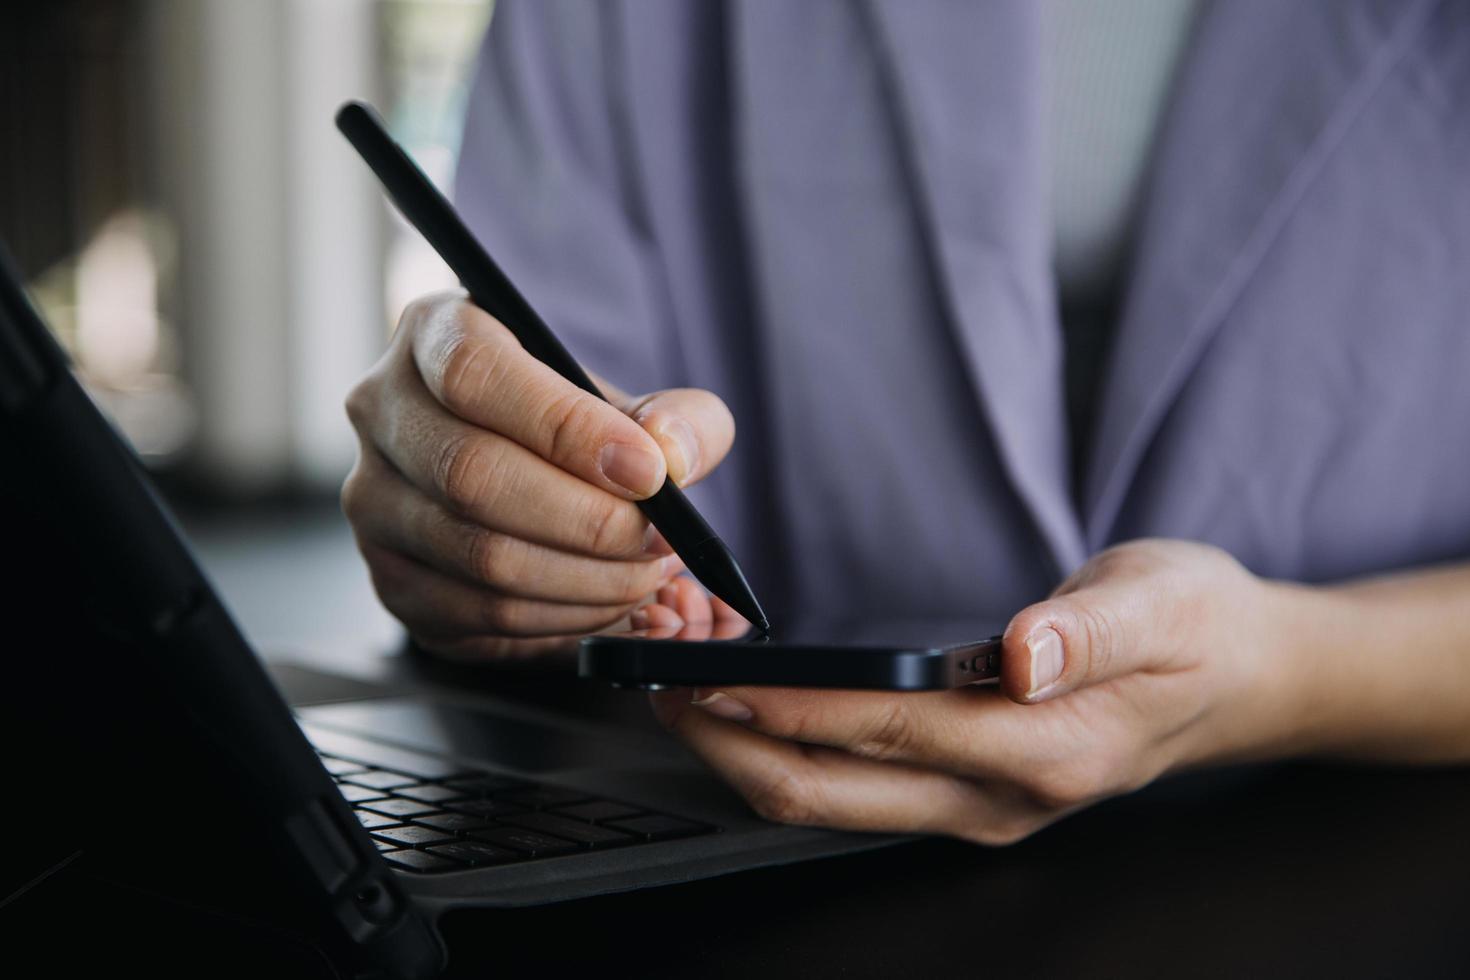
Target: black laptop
(145, 738)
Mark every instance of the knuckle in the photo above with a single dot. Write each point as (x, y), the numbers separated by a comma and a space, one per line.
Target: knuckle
(1102, 634)
(572, 426)
(466, 371)
(462, 471)
(353, 492)
(417, 310)
(1118, 561)
(783, 798)
(491, 556)
(1061, 787)
(361, 403)
(607, 529)
(891, 735)
(794, 721)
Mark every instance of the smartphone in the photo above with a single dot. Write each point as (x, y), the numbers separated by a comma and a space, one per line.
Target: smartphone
(882, 656)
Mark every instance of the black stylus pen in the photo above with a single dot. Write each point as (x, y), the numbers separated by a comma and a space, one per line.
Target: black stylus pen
(669, 510)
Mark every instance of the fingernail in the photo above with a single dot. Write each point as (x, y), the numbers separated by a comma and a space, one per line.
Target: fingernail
(655, 543)
(724, 706)
(680, 437)
(633, 468)
(638, 619)
(1045, 647)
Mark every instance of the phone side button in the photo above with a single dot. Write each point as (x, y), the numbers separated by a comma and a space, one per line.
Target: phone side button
(983, 663)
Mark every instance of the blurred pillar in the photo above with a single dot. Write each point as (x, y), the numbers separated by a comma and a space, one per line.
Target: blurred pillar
(338, 234)
(280, 229)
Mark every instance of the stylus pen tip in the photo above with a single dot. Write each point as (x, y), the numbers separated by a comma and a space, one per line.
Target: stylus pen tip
(752, 611)
(744, 602)
(715, 567)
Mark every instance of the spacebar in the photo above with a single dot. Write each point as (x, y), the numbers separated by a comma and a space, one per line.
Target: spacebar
(378, 754)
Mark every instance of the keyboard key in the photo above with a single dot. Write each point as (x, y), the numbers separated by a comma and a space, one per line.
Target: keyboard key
(484, 784)
(657, 826)
(372, 821)
(384, 845)
(379, 779)
(528, 842)
(484, 808)
(420, 861)
(473, 853)
(598, 811)
(452, 823)
(340, 767)
(544, 796)
(359, 794)
(413, 836)
(399, 807)
(586, 834)
(429, 793)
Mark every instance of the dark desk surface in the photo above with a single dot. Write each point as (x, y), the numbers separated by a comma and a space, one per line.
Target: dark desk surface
(1299, 871)
(1295, 870)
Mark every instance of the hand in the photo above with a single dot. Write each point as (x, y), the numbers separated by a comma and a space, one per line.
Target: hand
(684, 611)
(493, 499)
(1155, 655)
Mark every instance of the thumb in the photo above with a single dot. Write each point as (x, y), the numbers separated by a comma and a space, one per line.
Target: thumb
(1073, 641)
(692, 426)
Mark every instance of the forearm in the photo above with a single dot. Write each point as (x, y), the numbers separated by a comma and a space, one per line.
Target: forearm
(1380, 668)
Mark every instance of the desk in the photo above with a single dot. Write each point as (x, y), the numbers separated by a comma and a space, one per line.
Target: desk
(1299, 871)
(1302, 871)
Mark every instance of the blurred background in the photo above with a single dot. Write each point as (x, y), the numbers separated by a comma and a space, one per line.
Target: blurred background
(220, 265)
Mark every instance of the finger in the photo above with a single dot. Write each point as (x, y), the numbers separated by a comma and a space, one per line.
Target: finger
(974, 732)
(436, 607)
(498, 484)
(693, 428)
(703, 616)
(477, 369)
(1105, 629)
(388, 510)
(683, 604)
(659, 616)
(696, 631)
(655, 616)
(815, 785)
(685, 596)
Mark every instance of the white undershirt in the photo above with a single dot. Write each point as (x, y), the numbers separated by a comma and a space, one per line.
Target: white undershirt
(1111, 64)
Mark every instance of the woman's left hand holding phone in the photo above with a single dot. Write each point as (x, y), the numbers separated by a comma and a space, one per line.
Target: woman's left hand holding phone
(1155, 656)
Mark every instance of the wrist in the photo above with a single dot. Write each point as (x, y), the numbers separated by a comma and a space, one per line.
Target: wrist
(1272, 704)
(1356, 685)
(1385, 666)
(1302, 622)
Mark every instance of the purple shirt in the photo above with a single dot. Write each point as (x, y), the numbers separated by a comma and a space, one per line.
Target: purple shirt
(833, 214)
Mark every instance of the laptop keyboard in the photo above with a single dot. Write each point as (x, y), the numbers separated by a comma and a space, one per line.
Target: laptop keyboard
(452, 819)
